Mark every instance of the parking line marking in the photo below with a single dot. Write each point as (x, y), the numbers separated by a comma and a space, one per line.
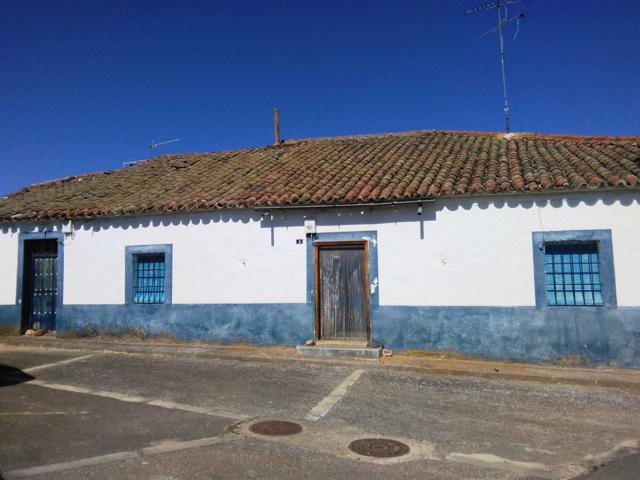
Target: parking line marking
(327, 403)
(11, 414)
(55, 364)
(166, 446)
(137, 399)
(195, 409)
(499, 463)
(57, 467)
(173, 446)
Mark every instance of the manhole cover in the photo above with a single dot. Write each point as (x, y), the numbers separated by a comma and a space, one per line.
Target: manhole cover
(275, 427)
(378, 447)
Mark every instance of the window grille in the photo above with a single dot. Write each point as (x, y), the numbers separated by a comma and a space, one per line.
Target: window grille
(148, 278)
(572, 273)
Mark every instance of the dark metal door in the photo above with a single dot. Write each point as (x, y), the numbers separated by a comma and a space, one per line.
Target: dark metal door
(43, 291)
(342, 292)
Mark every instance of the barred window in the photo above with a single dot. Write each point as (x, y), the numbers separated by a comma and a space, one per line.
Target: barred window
(148, 278)
(572, 273)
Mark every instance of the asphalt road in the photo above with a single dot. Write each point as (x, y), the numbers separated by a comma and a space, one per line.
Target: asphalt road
(73, 414)
(624, 468)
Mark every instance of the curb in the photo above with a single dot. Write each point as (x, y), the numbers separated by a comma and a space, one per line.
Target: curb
(486, 369)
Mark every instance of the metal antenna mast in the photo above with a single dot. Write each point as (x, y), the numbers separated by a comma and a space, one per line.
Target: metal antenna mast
(498, 4)
(152, 146)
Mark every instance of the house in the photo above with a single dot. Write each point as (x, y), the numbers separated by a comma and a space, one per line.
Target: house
(517, 246)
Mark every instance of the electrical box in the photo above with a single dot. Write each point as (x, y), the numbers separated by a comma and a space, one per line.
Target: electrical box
(68, 229)
(309, 227)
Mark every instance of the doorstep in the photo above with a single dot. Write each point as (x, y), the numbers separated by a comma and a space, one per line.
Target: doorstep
(339, 349)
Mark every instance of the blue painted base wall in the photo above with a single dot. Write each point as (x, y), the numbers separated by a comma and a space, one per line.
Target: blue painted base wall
(284, 324)
(9, 319)
(597, 335)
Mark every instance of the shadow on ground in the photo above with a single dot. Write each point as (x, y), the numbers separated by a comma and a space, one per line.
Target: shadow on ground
(12, 376)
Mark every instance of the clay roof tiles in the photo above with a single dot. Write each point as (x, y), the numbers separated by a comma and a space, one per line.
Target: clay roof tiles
(340, 170)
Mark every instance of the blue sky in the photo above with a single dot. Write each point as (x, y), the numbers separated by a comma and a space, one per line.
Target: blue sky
(86, 85)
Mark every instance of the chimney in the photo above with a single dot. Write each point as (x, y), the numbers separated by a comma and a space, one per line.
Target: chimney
(276, 126)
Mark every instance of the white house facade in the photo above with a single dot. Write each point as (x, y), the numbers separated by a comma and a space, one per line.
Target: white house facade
(535, 275)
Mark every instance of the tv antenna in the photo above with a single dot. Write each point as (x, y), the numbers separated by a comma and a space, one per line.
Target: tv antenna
(502, 22)
(153, 145)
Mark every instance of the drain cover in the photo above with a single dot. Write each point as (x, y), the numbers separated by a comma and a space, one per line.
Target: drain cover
(378, 447)
(275, 427)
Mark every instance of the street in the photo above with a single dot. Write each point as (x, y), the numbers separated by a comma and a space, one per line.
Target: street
(100, 414)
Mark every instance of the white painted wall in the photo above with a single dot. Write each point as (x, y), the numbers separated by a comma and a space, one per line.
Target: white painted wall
(481, 253)
(470, 252)
(8, 266)
(217, 258)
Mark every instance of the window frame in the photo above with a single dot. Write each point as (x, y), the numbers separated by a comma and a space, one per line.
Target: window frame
(130, 253)
(602, 239)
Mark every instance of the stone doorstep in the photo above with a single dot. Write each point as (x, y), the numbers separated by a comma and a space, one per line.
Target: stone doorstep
(332, 350)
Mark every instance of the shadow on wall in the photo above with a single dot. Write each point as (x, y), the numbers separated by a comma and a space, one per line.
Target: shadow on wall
(13, 376)
(152, 220)
(344, 216)
(341, 216)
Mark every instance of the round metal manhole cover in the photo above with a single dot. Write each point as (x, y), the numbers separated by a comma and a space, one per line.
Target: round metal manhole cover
(275, 427)
(379, 447)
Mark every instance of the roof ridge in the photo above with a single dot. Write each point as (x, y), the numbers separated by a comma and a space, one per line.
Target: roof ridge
(292, 141)
(507, 136)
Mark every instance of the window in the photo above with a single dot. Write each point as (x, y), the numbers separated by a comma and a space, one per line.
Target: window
(148, 278)
(148, 274)
(574, 269)
(572, 274)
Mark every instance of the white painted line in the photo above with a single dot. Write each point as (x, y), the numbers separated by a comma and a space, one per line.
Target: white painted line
(166, 446)
(11, 414)
(173, 446)
(57, 467)
(137, 399)
(328, 402)
(498, 463)
(195, 409)
(55, 364)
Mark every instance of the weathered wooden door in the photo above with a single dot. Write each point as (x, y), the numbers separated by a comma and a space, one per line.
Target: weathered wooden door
(342, 311)
(42, 287)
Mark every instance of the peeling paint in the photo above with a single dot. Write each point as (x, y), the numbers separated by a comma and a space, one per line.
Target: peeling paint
(373, 241)
(374, 285)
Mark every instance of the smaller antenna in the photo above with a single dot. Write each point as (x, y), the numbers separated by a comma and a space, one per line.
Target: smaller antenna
(153, 145)
(128, 163)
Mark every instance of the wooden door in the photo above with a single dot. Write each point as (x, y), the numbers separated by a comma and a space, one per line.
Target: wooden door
(342, 309)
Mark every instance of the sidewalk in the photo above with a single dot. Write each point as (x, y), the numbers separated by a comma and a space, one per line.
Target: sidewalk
(434, 363)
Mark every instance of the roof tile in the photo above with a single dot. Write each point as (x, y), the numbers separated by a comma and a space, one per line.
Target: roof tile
(340, 170)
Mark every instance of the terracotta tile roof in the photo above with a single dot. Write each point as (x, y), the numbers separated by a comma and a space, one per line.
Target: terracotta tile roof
(339, 170)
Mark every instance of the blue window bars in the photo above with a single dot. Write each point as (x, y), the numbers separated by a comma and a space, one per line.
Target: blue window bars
(148, 278)
(572, 273)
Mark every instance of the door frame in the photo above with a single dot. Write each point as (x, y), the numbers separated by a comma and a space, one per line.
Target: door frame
(367, 303)
(44, 235)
